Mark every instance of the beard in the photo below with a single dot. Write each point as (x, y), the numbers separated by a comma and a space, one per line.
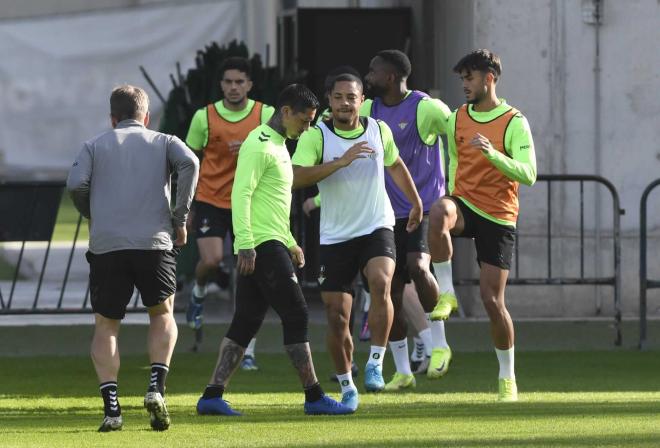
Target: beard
(477, 98)
(374, 91)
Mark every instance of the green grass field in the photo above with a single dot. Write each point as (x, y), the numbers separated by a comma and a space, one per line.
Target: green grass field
(67, 219)
(570, 399)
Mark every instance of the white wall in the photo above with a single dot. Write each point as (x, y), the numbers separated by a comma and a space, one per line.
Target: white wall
(548, 73)
(60, 60)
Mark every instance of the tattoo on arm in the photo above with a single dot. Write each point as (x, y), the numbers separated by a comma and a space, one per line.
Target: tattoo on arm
(230, 357)
(301, 358)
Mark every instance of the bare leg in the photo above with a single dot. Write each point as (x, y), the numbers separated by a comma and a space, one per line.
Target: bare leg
(340, 342)
(492, 282)
(425, 284)
(163, 332)
(379, 272)
(105, 348)
(412, 309)
(210, 256)
(399, 328)
(444, 219)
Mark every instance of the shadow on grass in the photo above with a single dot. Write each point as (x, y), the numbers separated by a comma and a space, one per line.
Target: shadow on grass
(564, 372)
(615, 440)
(283, 412)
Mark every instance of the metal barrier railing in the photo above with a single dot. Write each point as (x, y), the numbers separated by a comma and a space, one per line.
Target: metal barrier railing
(30, 190)
(644, 282)
(28, 213)
(550, 279)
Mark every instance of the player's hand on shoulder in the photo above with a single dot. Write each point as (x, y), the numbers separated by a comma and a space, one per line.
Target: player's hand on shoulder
(298, 256)
(246, 261)
(359, 150)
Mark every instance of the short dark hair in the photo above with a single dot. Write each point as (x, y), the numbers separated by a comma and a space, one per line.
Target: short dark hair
(398, 60)
(128, 102)
(298, 97)
(480, 60)
(332, 74)
(345, 77)
(236, 63)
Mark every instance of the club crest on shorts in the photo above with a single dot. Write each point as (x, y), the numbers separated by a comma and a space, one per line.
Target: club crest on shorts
(321, 278)
(205, 225)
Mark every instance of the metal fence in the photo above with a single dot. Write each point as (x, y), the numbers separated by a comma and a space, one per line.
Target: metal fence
(644, 282)
(550, 278)
(33, 200)
(28, 214)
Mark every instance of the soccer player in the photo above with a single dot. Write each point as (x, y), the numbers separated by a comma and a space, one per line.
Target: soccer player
(490, 153)
(347, 157)
(417, 122)
(218, 131)
(261, 201)
(121, 182)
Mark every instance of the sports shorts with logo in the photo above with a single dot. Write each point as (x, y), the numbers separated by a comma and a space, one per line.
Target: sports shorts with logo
(341, 262)
(210, 220)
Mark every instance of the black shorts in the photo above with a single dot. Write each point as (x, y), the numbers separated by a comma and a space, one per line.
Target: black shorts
(210, 220)
(494, 242)
(406, 243)
(113, 275)
(341, 262)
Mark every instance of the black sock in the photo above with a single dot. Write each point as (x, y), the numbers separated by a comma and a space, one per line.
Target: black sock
(157, 379)
(313, 392)
(110, 400)
(213, 391)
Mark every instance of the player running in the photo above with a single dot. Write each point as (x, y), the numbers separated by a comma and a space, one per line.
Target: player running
(218, 130)
(490, 152)
(416, 121)
(347, 157)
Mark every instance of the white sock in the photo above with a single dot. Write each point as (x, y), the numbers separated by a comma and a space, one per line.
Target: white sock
(506, 360)
(419, 352)
(400, 355)
(249, 351)
(438, 332)
(443, 276)
(199, 290)
(376, 355)
(425, 336)
(346, 382)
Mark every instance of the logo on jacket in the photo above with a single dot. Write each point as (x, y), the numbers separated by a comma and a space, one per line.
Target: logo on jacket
(403, 125)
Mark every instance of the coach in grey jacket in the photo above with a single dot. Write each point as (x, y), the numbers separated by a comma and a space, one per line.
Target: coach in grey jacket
(121, 181)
